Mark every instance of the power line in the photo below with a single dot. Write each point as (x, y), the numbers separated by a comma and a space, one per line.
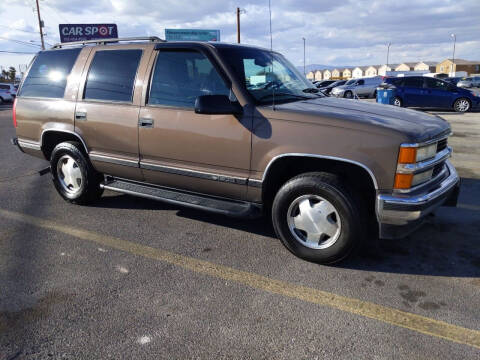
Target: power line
(16, 52)
(12, 28)
(20, 42)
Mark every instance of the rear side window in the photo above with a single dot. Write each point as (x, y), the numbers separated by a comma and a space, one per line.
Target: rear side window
(414, 82)
(48, 75)
(112, 75)
(5, 87)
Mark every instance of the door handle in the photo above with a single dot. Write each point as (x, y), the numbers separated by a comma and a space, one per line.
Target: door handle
(144, 122)
(80, 115)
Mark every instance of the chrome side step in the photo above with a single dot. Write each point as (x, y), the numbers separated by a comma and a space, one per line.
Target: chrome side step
(217, 205)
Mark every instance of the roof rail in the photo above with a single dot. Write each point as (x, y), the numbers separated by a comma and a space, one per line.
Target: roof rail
(105, 41)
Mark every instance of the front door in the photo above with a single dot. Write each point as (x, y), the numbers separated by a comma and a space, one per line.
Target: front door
(207, 154)
(106, 114)
(437, 93)
(413, 92)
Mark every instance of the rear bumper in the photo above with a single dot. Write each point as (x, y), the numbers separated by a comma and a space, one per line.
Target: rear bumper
(399, 215)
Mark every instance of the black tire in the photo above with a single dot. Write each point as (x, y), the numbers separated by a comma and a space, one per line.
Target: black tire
(331, 188)
(89, 187)
(348, 94)
(1, 100)
(397, 101)
(457, 105)
(375, 94)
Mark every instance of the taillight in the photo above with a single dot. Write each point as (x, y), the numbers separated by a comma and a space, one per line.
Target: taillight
(14, 113)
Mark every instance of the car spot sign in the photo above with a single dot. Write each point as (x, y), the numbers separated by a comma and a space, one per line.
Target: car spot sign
(81, 32)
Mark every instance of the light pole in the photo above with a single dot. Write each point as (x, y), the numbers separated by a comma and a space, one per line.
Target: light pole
(388, 53)
(453, 59)
(239, 11)
(304, 73)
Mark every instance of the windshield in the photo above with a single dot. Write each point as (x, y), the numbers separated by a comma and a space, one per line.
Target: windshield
(267, 74)
(350, 82)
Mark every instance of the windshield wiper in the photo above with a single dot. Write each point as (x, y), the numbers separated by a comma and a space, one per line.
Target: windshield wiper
(284, 94)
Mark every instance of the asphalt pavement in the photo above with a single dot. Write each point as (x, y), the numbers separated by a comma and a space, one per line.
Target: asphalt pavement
(129, 278)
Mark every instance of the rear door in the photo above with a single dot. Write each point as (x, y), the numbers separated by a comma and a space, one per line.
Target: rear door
(106, 115)
(413, 92)
(360, 87)
(203, 153)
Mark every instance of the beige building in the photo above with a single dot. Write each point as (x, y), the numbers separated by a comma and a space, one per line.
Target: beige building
(371, 71)
(347, 73)
(447, 66)
(318, 75)
(359, 72)
(336, 73)
(382, 70)
(425, 66)
(327, 74)
(407, 66)
(310, 76)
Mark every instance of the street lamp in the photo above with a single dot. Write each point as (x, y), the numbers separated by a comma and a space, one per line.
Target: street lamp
(453, 58)
(388, 53)
(304, 73)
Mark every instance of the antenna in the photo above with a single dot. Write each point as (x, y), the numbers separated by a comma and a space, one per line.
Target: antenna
(271, 50)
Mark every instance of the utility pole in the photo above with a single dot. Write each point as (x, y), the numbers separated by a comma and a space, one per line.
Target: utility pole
(453, 59)
(40, 25)
(304, 72)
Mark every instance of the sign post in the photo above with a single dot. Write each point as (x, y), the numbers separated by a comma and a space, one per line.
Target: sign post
(81, 32)
(192, 35)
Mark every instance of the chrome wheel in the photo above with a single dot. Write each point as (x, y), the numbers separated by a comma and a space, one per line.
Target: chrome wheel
(397, 102)
(462, 105)
(348, 95)
(69, 174)
(314, 222)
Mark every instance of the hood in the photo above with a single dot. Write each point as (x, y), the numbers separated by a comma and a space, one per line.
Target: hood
(417, 126)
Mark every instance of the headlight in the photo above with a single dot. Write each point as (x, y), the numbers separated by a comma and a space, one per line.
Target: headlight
(411, 155)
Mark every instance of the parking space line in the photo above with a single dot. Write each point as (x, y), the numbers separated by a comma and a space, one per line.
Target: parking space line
(418, 323)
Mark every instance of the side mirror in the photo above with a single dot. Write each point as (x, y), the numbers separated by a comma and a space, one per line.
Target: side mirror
(216, 105)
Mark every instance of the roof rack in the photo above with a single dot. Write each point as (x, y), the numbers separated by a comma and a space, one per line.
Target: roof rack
(105, 41)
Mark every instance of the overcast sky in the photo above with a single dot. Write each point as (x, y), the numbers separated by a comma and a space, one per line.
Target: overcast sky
(337, 32)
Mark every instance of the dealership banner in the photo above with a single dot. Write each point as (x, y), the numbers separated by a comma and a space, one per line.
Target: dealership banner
(192, 35)
(81, 32)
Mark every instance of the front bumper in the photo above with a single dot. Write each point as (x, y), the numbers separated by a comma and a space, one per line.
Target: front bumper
(400, 214)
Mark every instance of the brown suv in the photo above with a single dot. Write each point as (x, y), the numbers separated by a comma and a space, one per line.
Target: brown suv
(234, 130)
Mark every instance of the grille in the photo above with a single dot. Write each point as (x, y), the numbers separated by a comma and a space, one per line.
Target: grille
(442, 144)
(437, 169)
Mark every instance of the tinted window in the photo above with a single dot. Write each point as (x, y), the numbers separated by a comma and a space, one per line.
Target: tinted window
(48, 75)
(180, 76)
(5, 87)
(396, 81)
(112, 75)
(360, 82)
(414, 82)
(435, 84)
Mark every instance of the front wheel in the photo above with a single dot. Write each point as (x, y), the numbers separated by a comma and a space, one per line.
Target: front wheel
(73, 175)
(461, 105)
(348, 94)
(317, 218)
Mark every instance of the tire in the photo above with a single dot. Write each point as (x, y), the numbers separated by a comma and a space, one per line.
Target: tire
(348, 94)
(323, 197)
(1, 100)
(73, 175)
(397, 101)
(375, 94)
(462, 105)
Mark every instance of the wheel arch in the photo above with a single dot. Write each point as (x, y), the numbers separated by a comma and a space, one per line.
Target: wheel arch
(52, 137)
(285, 166)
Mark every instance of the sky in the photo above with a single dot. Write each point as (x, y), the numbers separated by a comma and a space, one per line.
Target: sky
(338, 33)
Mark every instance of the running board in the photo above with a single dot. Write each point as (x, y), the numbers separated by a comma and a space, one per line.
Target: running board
(226, 207)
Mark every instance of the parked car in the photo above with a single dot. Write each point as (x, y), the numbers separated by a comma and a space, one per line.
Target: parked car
(216, 127)
(5, 93)
(327, 89)
(469, 82)
(323, 83)
(365, 87)
(426, 92)
(9, 88)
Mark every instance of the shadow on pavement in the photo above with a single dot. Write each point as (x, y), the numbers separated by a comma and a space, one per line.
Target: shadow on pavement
(446, 244)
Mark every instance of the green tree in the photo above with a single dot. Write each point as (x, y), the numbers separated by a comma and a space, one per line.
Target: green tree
(11, 73)
(4, 74)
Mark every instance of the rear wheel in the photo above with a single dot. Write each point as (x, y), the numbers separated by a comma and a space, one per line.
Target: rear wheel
(317, 218)
(397, 101)
(348, 94)
(461, 105)
(73, 175)
(1, 100)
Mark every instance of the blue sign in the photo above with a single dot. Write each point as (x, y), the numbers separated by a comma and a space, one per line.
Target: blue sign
(192, 35)
(80, 32)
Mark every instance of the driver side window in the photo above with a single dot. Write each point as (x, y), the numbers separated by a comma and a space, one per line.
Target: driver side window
(180, 76)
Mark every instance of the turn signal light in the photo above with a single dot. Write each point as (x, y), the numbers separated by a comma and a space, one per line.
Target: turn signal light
(407, 155)
(403, 181)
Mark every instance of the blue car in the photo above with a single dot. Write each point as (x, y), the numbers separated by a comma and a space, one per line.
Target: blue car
(427, 92)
